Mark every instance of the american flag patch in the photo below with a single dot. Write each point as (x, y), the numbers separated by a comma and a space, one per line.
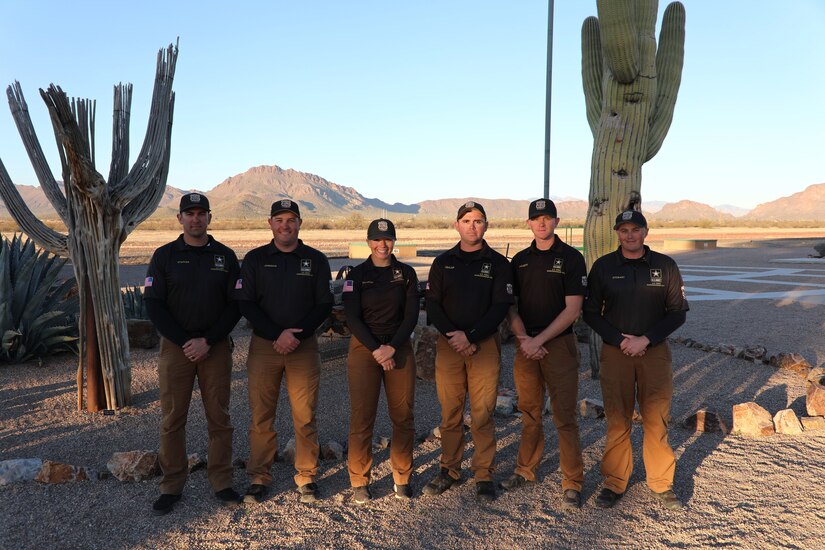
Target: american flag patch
(239, 284)
(148, 282)
(349, 286)
(428, 286)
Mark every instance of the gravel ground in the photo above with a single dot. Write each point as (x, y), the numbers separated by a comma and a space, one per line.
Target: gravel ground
(751, 493)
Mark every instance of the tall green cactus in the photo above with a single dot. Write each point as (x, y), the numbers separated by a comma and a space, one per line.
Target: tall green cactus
(630, 91)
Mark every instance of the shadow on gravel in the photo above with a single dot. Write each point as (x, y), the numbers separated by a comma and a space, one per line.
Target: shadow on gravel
(14, 402)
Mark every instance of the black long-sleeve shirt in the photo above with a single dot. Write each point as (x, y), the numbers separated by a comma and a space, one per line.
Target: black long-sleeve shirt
(279, 290)
(469, 291)
(381, 303)
(642, 297)
(187, 291)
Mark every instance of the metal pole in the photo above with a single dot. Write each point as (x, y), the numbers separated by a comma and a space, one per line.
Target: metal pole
(549, 93)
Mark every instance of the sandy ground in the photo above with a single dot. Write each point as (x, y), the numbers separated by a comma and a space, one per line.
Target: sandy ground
(748, 493)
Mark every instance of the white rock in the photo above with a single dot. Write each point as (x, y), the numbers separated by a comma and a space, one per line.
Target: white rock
(505, 405)
(19, 469)
(591, 408)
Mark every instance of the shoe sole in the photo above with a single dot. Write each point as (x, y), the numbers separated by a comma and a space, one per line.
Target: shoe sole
(252, 499)
(162, 512)
(400, 496)
(434, 492)
(308, 499)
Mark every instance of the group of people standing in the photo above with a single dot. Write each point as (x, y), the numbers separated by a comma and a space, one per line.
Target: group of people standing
(633, 298)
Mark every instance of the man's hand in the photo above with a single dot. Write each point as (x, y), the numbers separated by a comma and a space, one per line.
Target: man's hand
(287, 342)
(634, 346)
(458, 341)
(383, 354)
(389, 364)
(196, 349)
(470, 351)
(531, 348)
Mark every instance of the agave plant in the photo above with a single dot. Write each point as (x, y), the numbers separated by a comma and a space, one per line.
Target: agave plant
(134, 306)
(37, 313)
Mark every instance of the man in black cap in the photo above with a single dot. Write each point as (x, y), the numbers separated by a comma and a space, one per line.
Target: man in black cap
(284, 292)
(468, 294)
(550, 281)
(636, 299)
(187, 290)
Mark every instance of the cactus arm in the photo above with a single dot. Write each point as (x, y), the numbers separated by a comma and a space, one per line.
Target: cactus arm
(120, 132)
(145, 204)
(592, 71)
(48, 238)
(71, 123)
(620, 38)
(20, 113)
(150, 159)
(670, 58)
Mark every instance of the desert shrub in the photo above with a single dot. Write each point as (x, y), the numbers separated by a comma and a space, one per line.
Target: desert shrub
(134, 305)
(38, 313)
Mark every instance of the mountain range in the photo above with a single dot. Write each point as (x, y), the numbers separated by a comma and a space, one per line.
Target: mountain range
(250, 194)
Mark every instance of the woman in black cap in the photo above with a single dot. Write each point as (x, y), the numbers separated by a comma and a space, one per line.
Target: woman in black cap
(381, 303)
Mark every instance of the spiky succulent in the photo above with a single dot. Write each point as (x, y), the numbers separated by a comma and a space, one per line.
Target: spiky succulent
(37, 312)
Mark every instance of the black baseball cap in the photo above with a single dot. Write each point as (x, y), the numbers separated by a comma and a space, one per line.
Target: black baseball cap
(470, 205)
(194, 200)
(284, 205)
(381, 228)
(630, 216)
(542, 207)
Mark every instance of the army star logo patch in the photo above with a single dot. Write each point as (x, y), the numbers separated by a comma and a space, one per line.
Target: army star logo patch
(396, 274)
(558, 263)
(220, 261)
(486, 268)
(306, 265)
(655, 275)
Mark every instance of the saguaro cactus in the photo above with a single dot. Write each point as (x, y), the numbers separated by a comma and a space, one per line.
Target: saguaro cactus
(99, 215)
(630, 91)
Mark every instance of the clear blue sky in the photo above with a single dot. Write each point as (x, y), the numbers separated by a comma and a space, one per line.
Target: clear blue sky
(407, 101)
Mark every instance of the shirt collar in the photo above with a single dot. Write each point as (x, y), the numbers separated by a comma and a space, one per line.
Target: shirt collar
(299, 250)
(484, 252)
(180, 244)
(620, 259)
(555, 247)
(393, 262)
